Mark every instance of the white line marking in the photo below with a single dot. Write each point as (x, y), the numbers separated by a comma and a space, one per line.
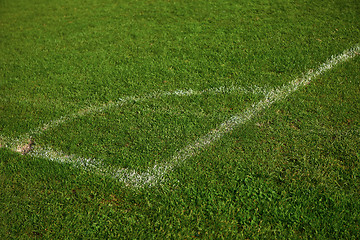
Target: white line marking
(132, 99)
(157, 173)
(14, 143)
(21, 142)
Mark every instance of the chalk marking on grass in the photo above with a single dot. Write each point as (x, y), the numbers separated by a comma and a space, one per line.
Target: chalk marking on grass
(14, 143)
(158, 172)
(135, 99)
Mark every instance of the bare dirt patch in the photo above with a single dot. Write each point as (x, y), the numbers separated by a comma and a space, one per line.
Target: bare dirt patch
(26, 148)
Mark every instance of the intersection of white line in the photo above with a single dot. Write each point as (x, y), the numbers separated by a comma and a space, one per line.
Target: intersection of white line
(157, 173)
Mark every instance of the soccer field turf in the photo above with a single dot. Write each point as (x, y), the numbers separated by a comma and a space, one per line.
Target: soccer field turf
(180, 119)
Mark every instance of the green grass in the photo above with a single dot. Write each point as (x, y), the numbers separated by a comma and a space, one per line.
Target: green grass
(291, 172)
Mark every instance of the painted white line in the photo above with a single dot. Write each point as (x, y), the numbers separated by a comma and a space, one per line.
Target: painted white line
(155, 174)
(158, 172)
(132, 99)
(13, 143)
(17, 144)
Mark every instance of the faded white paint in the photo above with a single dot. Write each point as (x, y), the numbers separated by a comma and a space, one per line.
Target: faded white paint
(157, 173)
